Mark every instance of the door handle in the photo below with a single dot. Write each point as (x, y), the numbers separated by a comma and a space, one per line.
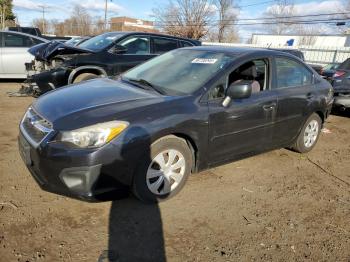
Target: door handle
(269, 107)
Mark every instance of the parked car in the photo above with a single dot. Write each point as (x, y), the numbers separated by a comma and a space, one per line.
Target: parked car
(341, 85)
(342, 102)
(328, 70)
(14, 53)
(105, 55)
(154, 126)
(36, 32)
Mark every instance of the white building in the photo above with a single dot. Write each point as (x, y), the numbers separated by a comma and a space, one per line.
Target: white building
(298, 40)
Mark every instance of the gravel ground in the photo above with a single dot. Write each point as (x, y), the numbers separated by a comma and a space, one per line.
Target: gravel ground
(278, 206)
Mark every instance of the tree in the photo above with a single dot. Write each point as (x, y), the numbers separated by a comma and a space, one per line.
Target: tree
(279, 11)
(185, 18)
(7, 16)
(40, 23)
(227, 16)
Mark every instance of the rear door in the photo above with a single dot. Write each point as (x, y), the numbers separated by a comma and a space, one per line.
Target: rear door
(14, 54)
(296, 92)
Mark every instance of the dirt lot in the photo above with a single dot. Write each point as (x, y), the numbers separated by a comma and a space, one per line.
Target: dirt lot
(279, 206)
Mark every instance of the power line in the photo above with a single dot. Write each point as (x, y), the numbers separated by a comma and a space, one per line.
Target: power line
(255, 4)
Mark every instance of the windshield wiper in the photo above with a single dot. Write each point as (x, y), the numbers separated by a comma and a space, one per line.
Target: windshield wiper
(145, 83)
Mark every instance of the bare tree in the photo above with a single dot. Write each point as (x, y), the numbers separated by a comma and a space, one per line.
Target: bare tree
(227, 14)
(185, 18)
(280, 12)
(38, 22)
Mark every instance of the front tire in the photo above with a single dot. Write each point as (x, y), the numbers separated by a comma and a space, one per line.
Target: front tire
(84, 76)
(309, 134)
(164, 170)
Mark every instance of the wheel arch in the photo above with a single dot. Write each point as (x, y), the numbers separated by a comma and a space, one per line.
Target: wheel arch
(193, 147)
(86, 69)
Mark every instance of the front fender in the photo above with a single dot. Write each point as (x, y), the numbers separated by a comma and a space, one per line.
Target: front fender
(75, 72)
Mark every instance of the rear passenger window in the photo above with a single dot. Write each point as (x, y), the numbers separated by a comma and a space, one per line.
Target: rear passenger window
(14, 40)
(162, 45)
(290, 73)
(186, 44)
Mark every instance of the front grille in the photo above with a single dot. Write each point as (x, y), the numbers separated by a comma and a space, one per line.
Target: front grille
(35, 127)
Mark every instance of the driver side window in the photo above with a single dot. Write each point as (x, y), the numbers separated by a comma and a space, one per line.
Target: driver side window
(255, 71)
(136, 45)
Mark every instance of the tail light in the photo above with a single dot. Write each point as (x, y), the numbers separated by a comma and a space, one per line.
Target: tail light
(338, 73)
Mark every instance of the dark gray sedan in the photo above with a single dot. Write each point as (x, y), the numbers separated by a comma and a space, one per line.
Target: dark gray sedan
(185, 111)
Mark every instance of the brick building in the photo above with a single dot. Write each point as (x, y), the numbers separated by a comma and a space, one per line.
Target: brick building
(124, 23)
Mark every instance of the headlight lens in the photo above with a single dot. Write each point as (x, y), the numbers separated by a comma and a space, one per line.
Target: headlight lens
(95, 135)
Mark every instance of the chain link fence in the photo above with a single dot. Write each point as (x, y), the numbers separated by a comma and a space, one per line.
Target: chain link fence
(313, 55)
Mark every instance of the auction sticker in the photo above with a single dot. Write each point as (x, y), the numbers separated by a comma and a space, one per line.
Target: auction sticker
(204, 61)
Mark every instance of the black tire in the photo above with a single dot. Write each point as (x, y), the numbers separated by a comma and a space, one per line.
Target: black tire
(299, 145)
(84, 76)
(140, 188)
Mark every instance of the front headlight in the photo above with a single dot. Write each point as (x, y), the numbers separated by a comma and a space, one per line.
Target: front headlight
(95, 135)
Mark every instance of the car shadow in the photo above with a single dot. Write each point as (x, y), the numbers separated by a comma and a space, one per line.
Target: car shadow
(135, 228)
(135, 233)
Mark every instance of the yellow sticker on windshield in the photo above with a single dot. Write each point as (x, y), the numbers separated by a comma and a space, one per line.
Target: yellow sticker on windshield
(204, 61)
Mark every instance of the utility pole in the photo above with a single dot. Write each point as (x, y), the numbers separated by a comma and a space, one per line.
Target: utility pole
(43, 19)
(106, 6)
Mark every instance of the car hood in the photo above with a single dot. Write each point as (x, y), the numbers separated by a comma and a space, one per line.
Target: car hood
(46, 51)
(93, 101)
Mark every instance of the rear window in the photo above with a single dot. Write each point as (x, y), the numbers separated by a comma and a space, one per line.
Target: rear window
(16, 40)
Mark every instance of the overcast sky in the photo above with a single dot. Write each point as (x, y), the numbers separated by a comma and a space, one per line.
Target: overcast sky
(27, 10)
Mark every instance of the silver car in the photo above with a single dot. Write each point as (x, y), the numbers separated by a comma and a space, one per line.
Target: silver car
(13, 53)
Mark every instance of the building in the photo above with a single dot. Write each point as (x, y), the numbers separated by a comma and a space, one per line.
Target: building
(298, 40)
(124, 23)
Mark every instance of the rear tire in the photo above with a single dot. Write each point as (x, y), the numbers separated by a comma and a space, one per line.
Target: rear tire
(84, 76)
(163, 171)
(309, 134)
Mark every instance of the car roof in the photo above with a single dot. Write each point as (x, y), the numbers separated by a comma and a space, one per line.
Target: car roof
(154, 34)
(24, 34)
(240, 50)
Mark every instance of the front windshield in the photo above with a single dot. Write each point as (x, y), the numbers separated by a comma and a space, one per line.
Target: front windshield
(182, 71)
(100, 42)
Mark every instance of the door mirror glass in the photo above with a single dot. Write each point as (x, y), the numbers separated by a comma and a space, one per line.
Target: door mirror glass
(119, 49)
(240, 90)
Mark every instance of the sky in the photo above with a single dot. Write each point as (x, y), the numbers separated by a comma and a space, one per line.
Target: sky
(27, 10)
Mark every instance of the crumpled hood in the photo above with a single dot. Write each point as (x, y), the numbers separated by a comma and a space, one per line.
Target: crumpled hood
(91, 102)
(46, 51)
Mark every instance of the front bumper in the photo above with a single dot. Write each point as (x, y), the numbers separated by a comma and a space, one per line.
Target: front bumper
(49, 80)
(85, 174)
(342, 101)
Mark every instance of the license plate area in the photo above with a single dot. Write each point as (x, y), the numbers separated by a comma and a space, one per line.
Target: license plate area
(24, 150)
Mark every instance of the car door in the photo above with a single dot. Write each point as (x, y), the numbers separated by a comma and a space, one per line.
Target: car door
(14, 53)
(296, 91)
(138, 51)
(244, 126)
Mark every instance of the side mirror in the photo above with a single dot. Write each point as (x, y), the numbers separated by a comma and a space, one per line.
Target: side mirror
(119, 49)
(239, 90)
